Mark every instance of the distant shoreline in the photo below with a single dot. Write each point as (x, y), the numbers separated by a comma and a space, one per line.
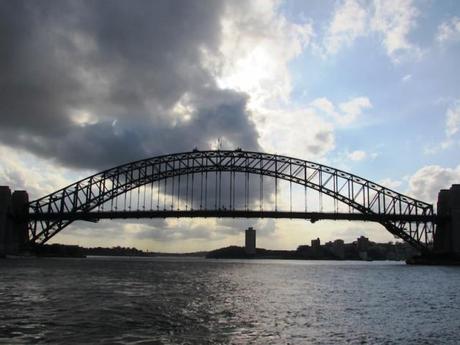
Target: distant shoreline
(375, 252)
(74, 251)
(235, 252)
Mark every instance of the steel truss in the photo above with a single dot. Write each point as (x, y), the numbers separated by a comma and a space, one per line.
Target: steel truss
(405, 217)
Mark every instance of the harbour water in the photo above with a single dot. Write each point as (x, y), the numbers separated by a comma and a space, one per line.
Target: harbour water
(197, 301)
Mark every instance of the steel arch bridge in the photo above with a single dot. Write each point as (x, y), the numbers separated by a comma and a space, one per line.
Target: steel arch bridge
(101, 195)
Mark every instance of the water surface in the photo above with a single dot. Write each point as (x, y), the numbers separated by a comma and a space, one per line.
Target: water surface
(198, 301)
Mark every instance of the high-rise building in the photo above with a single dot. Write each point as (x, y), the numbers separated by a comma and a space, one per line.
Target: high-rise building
(316, 244)
(250, 241)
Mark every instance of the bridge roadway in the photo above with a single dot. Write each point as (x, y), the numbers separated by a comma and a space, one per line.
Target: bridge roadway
(94, 216)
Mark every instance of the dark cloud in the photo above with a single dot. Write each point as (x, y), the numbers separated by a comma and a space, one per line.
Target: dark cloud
(95, 83)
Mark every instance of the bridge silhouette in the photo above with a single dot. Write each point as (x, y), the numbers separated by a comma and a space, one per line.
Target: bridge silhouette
(227, 184)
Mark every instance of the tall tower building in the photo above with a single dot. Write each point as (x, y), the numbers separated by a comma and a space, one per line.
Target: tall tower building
(250, 241)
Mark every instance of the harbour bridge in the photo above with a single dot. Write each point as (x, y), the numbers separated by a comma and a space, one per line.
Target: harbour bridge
(228, 184)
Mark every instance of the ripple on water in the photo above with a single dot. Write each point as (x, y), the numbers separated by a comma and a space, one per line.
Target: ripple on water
(120, 301)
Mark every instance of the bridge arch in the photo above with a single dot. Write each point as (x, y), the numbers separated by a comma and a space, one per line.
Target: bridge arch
(365, 196)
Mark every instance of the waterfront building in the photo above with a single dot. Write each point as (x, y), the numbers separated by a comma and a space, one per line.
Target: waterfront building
(316, 244)
(338, 249)
(304, 250)
(316, 248)
(362, 246)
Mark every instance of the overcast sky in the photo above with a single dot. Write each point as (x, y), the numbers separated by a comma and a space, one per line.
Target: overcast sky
(371, 87)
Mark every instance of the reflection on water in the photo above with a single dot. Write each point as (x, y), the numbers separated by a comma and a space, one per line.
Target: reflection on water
(198, 301)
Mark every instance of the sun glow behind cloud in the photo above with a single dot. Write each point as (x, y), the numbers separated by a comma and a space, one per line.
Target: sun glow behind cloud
(257, 45)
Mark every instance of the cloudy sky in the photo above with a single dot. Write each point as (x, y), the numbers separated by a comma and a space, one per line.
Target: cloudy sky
(371, 87)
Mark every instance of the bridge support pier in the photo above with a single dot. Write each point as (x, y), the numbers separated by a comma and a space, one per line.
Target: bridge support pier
(5, 203)
(447, 238)
(13, 221)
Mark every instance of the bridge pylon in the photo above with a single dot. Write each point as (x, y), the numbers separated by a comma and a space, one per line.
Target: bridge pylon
(14, 235)
(447, 235)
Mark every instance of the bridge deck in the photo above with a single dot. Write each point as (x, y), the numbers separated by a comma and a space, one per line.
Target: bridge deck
(312, 216)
